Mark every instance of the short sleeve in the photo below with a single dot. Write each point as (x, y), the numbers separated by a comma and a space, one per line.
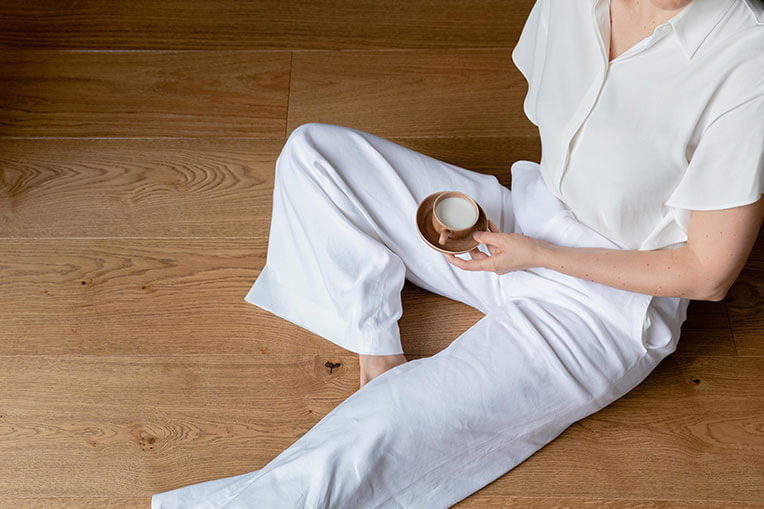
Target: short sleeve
(528, 54)
(727, 167)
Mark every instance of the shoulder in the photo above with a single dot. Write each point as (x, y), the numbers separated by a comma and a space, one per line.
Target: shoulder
(734, 55)
(549, 12)
(740, 31)
(566, 11)
(755, 8)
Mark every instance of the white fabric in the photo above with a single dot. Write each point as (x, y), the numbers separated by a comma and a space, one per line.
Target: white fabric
(673, 124)
(550, 350)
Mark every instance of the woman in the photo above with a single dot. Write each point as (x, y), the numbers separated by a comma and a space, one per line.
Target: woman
(648, 194)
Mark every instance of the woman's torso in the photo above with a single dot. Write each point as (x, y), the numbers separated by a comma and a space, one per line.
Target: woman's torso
(617, 136)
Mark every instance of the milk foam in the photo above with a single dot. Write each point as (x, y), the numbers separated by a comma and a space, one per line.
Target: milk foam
(455, 212)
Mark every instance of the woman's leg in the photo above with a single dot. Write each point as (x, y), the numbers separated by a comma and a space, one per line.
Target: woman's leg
(432, 431)
(343, 236)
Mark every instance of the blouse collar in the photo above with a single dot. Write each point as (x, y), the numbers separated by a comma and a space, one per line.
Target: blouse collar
(693, 23)
(696, 21)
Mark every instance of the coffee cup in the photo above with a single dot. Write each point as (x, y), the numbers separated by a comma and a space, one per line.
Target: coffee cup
(454, 215)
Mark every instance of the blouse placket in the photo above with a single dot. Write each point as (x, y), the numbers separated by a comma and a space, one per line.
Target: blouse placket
(600, 16)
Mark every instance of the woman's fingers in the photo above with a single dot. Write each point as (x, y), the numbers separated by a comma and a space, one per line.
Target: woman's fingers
(477, 254)
(485, 263)
(489, 238)
(479, 259)
(486, 236)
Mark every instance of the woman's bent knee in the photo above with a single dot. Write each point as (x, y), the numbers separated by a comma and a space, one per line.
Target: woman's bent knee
(306, 140)
(311, 131)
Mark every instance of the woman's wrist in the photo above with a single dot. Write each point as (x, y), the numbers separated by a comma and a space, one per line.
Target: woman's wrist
(543, 254)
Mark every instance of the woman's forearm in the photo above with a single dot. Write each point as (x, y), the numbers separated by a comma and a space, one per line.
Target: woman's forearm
(668, 272)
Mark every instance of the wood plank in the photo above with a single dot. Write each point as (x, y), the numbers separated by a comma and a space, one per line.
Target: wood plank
(189, 187)
(201, 93)
(164, 296)
(745, 304)
(705, 342)
(475, 500)
(136, 187)
(705, 314)
(411, 93)
(480, 501)
(77, 503)
(265, 24)
(120, 426)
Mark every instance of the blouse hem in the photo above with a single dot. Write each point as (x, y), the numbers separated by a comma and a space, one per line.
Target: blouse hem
(739, 203)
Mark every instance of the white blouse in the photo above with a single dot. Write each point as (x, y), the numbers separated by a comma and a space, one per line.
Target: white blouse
(674, 124)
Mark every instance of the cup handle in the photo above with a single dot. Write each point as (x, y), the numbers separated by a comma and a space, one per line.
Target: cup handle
(444, 234)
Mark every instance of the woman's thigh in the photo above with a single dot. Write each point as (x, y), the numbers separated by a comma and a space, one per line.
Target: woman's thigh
(378, 184)
(434, 430)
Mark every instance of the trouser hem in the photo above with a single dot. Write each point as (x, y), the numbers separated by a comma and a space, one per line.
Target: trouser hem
(272, 295)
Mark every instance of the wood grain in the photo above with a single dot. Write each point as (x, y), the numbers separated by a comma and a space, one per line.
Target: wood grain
(162, 296)
(704, 314)
(265, 24)
(77, 503)
(476, 500)
(55, 93)
(411, 93)
(136, 188)
(100, 426)
(139, 417)
(745, 304)
(705, 342)
(485, 501)
(155, 296)
(188, 187)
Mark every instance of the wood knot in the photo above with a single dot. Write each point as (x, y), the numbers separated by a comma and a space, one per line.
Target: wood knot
(331, 366)
(146, 440)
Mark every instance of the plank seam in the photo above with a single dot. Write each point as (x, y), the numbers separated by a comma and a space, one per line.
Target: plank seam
(289, 93)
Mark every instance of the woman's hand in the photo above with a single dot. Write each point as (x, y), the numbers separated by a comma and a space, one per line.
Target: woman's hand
(509, 251)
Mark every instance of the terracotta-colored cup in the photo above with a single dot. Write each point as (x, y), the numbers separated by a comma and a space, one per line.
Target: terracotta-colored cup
(446, 231)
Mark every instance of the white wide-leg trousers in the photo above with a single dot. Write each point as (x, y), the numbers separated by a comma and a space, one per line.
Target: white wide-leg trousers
(550, 350)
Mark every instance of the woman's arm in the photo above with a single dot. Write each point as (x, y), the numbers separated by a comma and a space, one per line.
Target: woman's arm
(719, 243)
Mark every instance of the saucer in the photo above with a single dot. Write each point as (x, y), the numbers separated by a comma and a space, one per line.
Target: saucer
(430, 236)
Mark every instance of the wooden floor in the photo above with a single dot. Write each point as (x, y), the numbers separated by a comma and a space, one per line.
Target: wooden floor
(137, 150)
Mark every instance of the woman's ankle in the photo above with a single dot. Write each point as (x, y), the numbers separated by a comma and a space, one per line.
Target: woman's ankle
(374, 365)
